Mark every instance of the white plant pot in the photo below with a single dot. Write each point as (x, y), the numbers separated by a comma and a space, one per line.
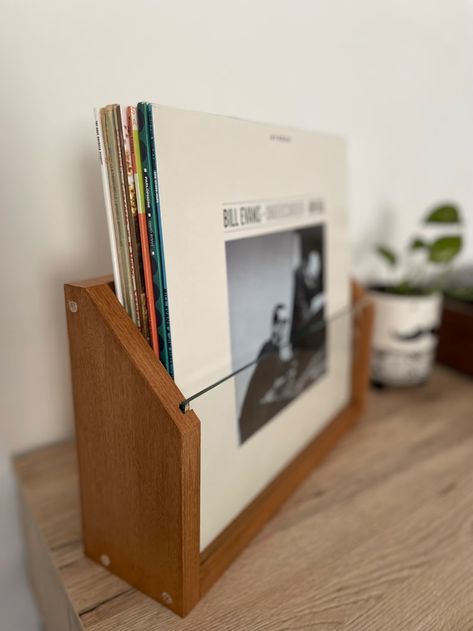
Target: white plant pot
(404, 337)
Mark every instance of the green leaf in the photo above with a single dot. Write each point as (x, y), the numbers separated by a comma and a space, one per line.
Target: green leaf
(387, 254)
(445, 249)
(418, 244)
(447, 213)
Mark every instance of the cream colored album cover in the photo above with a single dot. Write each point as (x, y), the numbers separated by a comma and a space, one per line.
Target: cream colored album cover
(254, 227)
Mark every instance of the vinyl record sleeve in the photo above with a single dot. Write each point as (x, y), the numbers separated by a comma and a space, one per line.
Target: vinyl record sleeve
(132, 119)
(254, 231)
(111, 226)
(111, 160)
(154, 241)
(135, 237)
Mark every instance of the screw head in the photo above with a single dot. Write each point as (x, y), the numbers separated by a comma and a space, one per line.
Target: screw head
(72, 306)
(166, 598)
(105, 560)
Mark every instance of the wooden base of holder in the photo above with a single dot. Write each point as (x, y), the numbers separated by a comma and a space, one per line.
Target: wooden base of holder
(139, 455)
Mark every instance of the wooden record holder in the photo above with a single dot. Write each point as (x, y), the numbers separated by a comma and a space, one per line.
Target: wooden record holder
(139, 455)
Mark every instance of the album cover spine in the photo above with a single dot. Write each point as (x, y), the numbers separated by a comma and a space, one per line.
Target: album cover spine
(153, 236)
(134, 225)
(107, 118)
(123, 180)
(154, 165)
(142, 223)
(108, 208)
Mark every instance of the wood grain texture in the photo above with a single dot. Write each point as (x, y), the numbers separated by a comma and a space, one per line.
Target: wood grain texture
(378, 537)
(434, 607)
(362, 331)
(139, 456)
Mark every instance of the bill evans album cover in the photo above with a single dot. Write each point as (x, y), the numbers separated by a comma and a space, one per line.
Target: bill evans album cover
(253, 242)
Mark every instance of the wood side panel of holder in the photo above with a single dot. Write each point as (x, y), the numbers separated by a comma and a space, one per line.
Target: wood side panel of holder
(139, 455)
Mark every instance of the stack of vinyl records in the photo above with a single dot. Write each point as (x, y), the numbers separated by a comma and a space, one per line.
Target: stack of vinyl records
(128, 158)
(229, 238)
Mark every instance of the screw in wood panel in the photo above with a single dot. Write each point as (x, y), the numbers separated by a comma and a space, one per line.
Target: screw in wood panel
(105, 560)
(167, 600)
(72, 306)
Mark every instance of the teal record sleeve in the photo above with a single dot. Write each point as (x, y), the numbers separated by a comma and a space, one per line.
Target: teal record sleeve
(153, 235)
(159, 234)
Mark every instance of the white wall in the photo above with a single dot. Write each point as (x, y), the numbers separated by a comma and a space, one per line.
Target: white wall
(395, 76)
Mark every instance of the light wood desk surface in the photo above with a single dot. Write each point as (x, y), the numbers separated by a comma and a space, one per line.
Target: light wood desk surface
(379, 537)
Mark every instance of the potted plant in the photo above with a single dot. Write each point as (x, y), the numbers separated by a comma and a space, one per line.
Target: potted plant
(407, 307)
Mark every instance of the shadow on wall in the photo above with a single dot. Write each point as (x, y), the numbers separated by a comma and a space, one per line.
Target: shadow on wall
(92, 261)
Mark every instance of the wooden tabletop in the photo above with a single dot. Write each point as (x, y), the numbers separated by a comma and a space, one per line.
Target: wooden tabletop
(380, 537)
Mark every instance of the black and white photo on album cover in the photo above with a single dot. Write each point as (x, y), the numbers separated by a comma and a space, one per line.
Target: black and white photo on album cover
(277, 305)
